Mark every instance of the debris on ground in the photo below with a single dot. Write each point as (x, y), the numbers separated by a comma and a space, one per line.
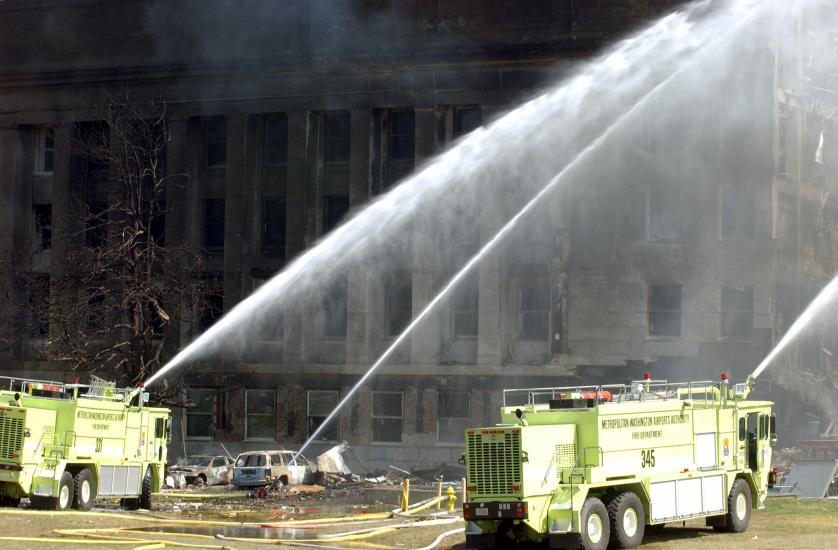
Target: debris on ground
(332, 462)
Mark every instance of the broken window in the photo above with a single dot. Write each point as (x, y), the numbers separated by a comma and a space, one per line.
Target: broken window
(737, 312)
(260, 407)
(39, 293)
(401, 146)
(387, 417)
(212, 308)
(275, 141)
(737, 205)
(338, 136)
(320, 405)
(273, 226)
(665, 310)
(466, 119)
(465, 307)
(399, 301)
(453, 417)
(216, 141)
(45, 151)
(535, 310)
(199, 418)
(334, 310)
(43, 226)
(95, 235)
(214, 223)
(664, 214)
(335, 208)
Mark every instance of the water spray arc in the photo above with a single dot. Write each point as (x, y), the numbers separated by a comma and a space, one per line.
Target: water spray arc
(486, 248)
(815, 308)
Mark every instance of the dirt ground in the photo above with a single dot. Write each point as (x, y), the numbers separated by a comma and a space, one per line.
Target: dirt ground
(783, 525)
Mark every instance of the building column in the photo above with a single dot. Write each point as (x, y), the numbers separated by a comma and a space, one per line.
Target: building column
(62, 224)
(426, 339)
(358, 312)
(235, 187)
(178, 165)
(11, 220)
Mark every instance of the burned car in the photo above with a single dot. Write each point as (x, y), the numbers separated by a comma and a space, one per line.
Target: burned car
(260, 468)
(203, 470)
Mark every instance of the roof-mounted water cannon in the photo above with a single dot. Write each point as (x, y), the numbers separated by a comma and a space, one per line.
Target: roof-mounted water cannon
(139, 390)
(744, 389)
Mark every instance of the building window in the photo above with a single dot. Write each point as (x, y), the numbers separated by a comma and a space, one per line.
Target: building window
(535, 310)
(665, 310)
(260, 406)
(273, 226)
(271, 327)
(95, 310)
(95, 233)
(387, 417)
(216, 141)
(466, 119)
(453, 416)
(39, 303)
(45, 153)
(737, 312)
(399, 302)
(335, 208)
(465, 308)
(401, 146)
(338, 136)
(334, 310)
(199, 418)
(320, 405)
(664, 215)
(737, 206)
(43, 226)
(275, 144)
(214, 223)
(212, 309)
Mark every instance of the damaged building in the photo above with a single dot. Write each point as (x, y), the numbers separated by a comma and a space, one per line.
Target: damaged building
(286, 120)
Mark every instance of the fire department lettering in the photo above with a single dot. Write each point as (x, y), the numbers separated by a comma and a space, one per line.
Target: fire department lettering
(644, 421)
(90, 415)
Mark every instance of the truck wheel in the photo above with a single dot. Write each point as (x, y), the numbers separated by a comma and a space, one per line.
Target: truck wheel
(85, 492)
(9, 501)
(64, 499)
(628, 520)
(738, 508)
(595, 529)
(145, 493)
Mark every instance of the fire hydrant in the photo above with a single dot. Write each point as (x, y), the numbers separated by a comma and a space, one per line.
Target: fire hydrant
(452, 498)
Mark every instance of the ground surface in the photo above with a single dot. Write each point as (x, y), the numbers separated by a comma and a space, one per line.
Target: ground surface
(784, 525)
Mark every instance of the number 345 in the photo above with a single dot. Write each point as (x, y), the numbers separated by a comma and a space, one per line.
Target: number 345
(647, 458)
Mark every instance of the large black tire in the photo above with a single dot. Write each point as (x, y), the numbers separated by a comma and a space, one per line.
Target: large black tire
(85, 490)
(145, 493)
(739, 508)
(64, 500)
(7, 501)
(627, 519)
(595, 529)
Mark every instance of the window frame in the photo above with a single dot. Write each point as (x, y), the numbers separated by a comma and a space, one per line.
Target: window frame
(651, 311)
(748, 195)
(651, 195)
(266, 143)
(725, 309)
(248, 414)
(396, 282)
(220, 120)
(43, 151)
(210, 414)
(42, 235)
(206, 223)
(373, 417)
(276, 250)
(530, 283)
(468, 288)
(439, 417)
(309, 416)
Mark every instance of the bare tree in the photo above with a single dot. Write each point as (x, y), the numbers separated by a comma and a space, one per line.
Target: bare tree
(116, 305)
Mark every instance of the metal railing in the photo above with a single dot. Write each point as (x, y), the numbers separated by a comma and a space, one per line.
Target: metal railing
(97, 389)
(705, 391)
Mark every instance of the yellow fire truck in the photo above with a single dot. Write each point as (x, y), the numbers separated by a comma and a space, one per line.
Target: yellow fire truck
(590, 467)
(63, 445)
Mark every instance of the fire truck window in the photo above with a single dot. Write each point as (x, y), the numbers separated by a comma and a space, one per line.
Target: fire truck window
(159, 428)
(772, 425)
(742, 430)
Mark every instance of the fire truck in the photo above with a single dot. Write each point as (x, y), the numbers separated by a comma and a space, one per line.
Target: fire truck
(63, 445)
(592, 467)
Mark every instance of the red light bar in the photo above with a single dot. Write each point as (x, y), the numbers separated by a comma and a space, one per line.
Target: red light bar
(647, 376)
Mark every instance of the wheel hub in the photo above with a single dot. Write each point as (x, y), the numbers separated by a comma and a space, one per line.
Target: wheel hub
(741, 506)
(595, 528)
(630, 522)
(85, 491)
(64, 497)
